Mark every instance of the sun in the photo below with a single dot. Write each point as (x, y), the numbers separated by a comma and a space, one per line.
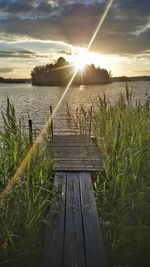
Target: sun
(81, 60)
(80, 64)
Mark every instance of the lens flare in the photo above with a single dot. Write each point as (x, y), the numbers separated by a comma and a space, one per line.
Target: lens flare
(14, 180)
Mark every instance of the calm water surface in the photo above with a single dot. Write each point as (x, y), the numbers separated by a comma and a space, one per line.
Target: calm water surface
(37, 100)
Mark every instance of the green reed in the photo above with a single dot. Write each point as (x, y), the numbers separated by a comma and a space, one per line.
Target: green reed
(122, 132)
(23, 212)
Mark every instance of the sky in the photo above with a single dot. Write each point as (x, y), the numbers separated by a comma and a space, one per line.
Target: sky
(37, 32)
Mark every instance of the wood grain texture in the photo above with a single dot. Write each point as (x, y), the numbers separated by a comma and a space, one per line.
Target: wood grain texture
(54, 239)
(75, 153)
(95, 253)
(73, 236)
(74, 239)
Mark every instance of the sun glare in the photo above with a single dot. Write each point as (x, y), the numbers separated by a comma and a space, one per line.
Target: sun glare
(83, 59)
(80, 64)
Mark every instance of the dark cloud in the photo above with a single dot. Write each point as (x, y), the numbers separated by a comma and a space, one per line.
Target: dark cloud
(8, 54)
(19, 8)
(3, 4)
(68, 53)
(15, 7)
(134, 7)
(125, 29)
(18, 54)
(44, 7)
(6, 70)
(30, 54)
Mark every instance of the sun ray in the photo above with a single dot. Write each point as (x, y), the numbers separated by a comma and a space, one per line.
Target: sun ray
(14, 179)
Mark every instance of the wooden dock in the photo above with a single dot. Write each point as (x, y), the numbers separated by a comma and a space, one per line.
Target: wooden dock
(73, 236)
(75, 153)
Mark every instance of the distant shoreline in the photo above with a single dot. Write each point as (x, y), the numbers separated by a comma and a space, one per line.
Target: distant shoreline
(113, 79)
(131, 79)
(12, 80)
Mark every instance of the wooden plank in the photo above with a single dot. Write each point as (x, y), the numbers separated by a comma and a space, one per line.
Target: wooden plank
(71, 157)
(68, 141)
(74, 244)
(76, 141)
(95, 253)
(70, 144)
(79, 168)
(80, 147)
(76, 167)
(70, 136)
(73, 237)
(63, 140)
(92, 161)
(65, 137)
(75, 150)
(53, 245)
(63, 156)
(79, 162)
(75, 153)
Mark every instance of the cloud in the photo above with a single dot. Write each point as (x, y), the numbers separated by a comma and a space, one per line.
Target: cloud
(64, 52)
(6, 70)
(34, 47)
(18, 54)
(125, 30)
(28, 54)
(15, 7)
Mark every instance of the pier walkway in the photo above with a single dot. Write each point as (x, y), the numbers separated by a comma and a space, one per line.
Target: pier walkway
(75, 153)
(73, 236)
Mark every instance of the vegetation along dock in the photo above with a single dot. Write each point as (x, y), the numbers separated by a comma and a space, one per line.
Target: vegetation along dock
(51, 216)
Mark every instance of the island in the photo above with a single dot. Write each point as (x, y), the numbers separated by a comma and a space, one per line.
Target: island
(61, 72)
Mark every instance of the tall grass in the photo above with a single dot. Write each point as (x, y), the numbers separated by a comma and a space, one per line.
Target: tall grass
(80, 120)
(23, 211)
(122, 132)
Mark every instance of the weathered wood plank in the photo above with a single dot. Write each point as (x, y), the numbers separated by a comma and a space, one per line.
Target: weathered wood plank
(74, 244)
(75, 153)
(78, 168)
(68, 141)
(73, 236)
(80, 163)
(75, 148)
(54, 238)
(72, 159)
(69, 144)
(64, 157)
(95, 253)
(77, 140)
(65, 137)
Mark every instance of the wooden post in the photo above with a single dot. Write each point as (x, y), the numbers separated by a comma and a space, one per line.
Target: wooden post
(90, 124)
(30, 131)
(51, 122)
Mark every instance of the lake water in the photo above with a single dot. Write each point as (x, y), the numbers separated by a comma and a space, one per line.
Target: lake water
(37, 100)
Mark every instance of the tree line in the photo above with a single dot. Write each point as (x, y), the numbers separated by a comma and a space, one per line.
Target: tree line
(60, 73)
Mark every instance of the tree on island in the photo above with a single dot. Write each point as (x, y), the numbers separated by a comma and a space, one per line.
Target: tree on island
(60, 73)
